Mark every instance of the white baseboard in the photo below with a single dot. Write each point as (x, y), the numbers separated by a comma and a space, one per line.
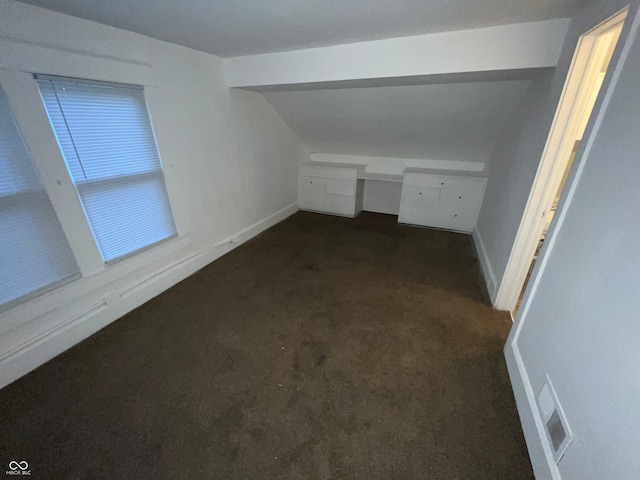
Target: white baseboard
(37, 350)
(544, 466)
(485, 263)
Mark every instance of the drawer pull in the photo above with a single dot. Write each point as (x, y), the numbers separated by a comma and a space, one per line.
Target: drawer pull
(442, 183)
(420, 193)
(460, 196)
(456, 215)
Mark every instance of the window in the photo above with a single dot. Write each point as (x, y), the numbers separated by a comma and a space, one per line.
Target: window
(105, 135)
(34, 253)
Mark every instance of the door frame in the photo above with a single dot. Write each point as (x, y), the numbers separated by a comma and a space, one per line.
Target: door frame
(581, 79)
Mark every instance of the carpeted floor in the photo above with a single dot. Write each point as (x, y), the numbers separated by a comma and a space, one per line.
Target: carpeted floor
(325, 348)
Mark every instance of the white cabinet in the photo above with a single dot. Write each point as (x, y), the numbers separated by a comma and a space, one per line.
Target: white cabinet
(431, 198)
(434, 198)
(330, 188)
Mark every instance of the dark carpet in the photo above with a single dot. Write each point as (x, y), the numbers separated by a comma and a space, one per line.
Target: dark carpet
(325, 348)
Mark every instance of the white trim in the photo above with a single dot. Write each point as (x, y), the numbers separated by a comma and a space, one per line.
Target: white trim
(31, 116)
(58, 299)
(572, 107)
(36, 349)
(485, 263)
(540, 453)
(568, 439)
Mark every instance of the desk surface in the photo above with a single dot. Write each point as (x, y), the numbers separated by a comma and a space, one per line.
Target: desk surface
(356, 166)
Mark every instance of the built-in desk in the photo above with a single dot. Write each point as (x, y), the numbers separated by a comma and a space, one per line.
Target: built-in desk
(448, 199)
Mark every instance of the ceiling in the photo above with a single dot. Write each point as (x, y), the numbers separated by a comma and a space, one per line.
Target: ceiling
(455, 121)
(241, 27)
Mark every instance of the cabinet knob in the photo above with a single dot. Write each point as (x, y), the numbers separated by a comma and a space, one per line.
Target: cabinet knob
(442, 183)
(460, 197)
(419, 193)
(456, 215)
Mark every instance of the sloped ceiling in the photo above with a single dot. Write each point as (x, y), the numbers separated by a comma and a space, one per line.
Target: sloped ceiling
(241, 27)
(456, 121)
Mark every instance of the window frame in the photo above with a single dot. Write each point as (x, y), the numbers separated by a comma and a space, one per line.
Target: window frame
(78, 185)
(29, 113)
(68, 306)
(38, 195)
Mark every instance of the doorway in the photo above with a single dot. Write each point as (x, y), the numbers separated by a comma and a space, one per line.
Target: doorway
(585, 78)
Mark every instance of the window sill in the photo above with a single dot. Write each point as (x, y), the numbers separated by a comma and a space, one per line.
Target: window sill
(91, 287)
(140, 251)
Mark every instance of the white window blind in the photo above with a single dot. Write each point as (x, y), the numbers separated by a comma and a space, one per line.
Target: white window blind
(34, 253)
(107, 140)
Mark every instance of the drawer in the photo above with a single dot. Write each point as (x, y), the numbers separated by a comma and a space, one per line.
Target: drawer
(455, 198)
(424, 180)
(340, 205)
(340, 187)
(420, 195)
(469, 184)
(341, 173)
(457, 219)
(441, 181)
(311, 200)
(415, 214)
(327, 172)
(311, 183)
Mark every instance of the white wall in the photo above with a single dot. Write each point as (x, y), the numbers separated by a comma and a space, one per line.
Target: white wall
(444, 126)
(449, 122)
(209, 157)
(579, 319)
(268, 152)
(513, 166)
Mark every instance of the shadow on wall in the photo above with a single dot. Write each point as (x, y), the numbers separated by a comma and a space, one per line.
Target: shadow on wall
(512, 169)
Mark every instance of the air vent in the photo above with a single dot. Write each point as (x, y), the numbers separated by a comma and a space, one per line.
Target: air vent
(558, 433)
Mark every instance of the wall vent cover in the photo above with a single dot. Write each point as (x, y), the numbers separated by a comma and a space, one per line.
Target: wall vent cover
(555, 423)
(556, 431)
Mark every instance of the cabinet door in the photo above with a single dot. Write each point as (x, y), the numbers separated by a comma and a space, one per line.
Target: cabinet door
(415, 214)
(457, 219)
(311, 183)
(340, 187)
(311, 193)
(456, 198)
(340, 205)
(311, 200)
